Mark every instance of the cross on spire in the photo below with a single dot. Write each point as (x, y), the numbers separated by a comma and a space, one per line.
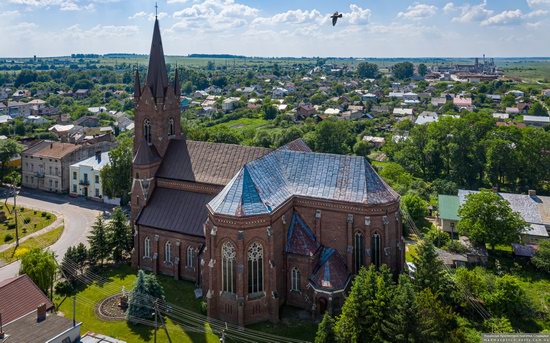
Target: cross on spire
(156, 9)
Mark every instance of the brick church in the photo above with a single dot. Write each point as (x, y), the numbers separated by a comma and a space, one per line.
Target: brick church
(255, 228)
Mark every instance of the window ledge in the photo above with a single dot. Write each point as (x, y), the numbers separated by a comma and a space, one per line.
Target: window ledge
(255, 296)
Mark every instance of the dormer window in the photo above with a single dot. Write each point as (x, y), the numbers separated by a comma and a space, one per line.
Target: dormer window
(147, 130)
(171, 131)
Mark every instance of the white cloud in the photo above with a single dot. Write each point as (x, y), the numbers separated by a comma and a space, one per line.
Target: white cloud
(138, 15)
(358, 15)
(534, 3)
(214, 15)
(291, 17)
(64, 5)
(468, 13)
(418, 11)
(504, 18)
(512, 17)
(101, 31)
(176, 1)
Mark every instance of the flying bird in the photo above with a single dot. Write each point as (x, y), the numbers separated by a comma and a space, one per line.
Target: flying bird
(335, 17)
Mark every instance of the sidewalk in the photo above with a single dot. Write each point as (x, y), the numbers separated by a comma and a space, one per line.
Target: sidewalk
(58, 222)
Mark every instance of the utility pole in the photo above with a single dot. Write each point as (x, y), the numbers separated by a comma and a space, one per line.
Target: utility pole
(14, 187)
(162, 322)
(74, 310)
(156, 319)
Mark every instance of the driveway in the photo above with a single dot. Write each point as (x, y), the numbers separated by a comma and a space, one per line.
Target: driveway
(79, 215)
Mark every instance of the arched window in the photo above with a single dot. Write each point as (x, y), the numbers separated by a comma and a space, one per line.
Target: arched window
(168, 252)
(171, 131)
(147, 247)
(358, 249)
(190, 256)
(255, 268)
(375, 248)
(228, 267)
(295, 279)
(147, 130)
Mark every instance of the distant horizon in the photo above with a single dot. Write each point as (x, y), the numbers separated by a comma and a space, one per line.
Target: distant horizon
(278, 29)
(228, 56)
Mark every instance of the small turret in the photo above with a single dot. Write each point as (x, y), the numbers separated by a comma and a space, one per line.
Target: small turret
(177, 83)
(137, 86)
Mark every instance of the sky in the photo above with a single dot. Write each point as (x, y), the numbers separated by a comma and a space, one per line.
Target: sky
(279, 28)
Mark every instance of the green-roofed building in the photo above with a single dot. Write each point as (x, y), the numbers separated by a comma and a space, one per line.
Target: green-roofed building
(448, 212)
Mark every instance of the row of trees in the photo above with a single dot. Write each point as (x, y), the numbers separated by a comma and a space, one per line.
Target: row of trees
(472, 152)
(433, 306)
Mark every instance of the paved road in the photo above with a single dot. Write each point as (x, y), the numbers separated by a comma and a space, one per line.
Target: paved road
(79, 215)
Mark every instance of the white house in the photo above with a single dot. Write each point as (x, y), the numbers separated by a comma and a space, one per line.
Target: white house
(402, 111)
(279, 92)
(411, 98)
(229, 104)
(426, 117)
(536, 120)
(85, 176)
(35, 120)
(501, 116)
(516, 93)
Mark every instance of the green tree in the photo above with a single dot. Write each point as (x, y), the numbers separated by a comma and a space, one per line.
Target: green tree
(403, 70)
(486, 218)
(538, 110)
(74, 261)
(9, 148)
(146, 291)
(436, 320)
(270, 112)
(430, 271)
(403, 319)
(100, 247)
(508, 100)
(117, 175)
(41, 267)
(367, 70)
(330, 136)
(422, 69)
(325, 331)
(362, 148)
(416, 207)
(541, 260)
(365, 313)
(120, 235)
(506, 297)
(263, 138)
(498, 325)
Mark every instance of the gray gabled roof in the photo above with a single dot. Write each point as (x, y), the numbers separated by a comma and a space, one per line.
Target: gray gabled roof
(266, 183)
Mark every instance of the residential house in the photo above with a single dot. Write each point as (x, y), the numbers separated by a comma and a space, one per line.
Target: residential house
(377, 142)
(332, 111)
(37, 120)
(86, 176)
(523, 107)
(37, 106)
(81, 93)
(516, 93)
(438, 101)
(200, 94)
(124, 123)
(20, 94)
(62, 131)
(501, 116)
(397, 95)
(512, 110)
(213, 90)
(463, 102)
(87, 121)
(4, 119)
(24, 315)
(16, 109)
(495, 97)
(402, 111)
(537, 121)
(545, 93)
(45, 165)
(304, 111)
(279, 92)
(411, 98)
(97, 110)
(426, 117)
(229, 104)
(380, 109)
(532, 208)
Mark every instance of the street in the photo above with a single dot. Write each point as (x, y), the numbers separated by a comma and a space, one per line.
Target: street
(79, 215)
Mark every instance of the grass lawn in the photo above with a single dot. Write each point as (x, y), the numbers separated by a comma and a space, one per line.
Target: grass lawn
(246, 123)
(29, 221)
(410, 252)
(180, 293)
(42, 241)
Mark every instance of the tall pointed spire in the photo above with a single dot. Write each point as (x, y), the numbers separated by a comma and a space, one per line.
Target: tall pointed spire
(137, 85)
(157, 76)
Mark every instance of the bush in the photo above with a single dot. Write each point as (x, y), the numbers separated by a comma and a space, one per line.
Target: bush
(8, 237)
(455, 246)
(20, 252)
(35, 212)
(48, 216)
(541, 260)
(438, 237)
(204, 307)
(26, 220)
(11, 226)
(63, 288)
(43, 214)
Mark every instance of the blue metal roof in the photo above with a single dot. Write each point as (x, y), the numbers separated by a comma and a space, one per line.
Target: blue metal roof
(266, 183)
